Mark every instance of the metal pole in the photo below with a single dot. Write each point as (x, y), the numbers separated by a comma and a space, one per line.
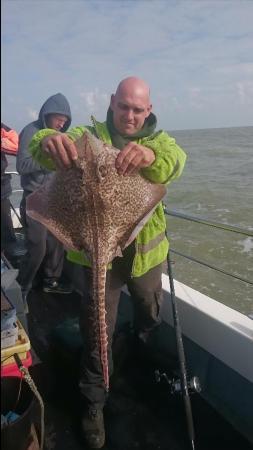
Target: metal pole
(181, 356)
(15, 212)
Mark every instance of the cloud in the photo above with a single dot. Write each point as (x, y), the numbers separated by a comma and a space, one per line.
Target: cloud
(196, 97)
(196, 56)
(245, 92)
(94, 100)
(32, 113)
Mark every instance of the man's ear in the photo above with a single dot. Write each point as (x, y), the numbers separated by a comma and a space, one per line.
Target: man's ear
(149, 109)
(112, 101)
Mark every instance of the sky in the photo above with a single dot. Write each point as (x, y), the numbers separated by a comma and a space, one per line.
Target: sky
(197, 57)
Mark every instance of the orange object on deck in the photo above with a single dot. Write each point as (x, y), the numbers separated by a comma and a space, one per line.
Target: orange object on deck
(9, 141)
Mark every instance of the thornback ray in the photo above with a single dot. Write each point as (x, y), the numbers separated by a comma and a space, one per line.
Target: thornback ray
(91, 207)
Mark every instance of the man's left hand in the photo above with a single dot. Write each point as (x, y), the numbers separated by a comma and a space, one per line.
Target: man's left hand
(133, 157)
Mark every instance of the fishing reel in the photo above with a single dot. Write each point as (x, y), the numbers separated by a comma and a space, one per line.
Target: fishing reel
(175, 383)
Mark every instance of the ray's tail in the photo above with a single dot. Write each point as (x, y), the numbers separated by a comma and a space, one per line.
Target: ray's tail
(99, 281)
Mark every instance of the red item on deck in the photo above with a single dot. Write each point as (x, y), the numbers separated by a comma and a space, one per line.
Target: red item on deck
(12, 370)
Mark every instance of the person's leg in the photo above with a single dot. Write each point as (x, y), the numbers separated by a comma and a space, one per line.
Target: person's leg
(146, 293)
(53, 265)
(147, 297)
(54, 258)
(91, 377)
(22, 211)
(35, 235)
(7, 230)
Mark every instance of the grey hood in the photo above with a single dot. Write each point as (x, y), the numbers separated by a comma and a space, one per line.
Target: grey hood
(56, 104)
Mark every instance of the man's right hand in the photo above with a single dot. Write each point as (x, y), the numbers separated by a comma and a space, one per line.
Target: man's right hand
(61, 149)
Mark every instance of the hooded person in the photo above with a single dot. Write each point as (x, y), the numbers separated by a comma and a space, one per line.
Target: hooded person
(44, 252)
(56, 108)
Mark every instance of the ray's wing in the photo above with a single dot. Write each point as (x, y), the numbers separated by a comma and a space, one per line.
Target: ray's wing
(91, 201)
(59, 206)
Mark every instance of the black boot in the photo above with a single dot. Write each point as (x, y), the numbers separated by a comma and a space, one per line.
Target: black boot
(52, 285)
(93, 428)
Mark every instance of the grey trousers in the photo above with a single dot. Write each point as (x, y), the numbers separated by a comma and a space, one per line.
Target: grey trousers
(42, 248)
(146, 295)
(7, 230)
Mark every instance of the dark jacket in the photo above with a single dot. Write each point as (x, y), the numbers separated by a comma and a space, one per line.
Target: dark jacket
(32, 174)
(5, 178)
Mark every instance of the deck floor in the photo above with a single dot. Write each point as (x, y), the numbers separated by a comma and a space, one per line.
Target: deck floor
(139, 414)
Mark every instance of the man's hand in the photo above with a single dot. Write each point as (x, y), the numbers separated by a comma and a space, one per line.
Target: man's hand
(133, 157)
(61, 149)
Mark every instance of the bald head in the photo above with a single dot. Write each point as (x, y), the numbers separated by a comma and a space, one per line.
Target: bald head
(136, 85)
(130, 105)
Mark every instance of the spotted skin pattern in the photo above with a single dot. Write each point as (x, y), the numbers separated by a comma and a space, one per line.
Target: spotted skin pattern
(91, 207)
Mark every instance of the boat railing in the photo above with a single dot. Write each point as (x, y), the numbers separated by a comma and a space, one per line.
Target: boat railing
(210, 223)
(15, 191)
(191, 218)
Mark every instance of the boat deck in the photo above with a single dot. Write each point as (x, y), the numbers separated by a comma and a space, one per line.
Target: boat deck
(139, 415)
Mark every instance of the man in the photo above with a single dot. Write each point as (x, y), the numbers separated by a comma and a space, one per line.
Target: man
(130, 126)
(9, 146)
(43, 249)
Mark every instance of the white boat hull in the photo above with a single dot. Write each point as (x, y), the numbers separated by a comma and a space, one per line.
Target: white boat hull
(219, 350)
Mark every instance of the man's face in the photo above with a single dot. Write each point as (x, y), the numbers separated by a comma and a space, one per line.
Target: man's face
(56, 121)
(129, 112)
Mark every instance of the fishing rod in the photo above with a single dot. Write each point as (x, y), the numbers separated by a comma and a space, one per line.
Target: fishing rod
(182, 385)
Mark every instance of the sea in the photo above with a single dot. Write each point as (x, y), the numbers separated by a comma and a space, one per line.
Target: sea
(216, 185)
